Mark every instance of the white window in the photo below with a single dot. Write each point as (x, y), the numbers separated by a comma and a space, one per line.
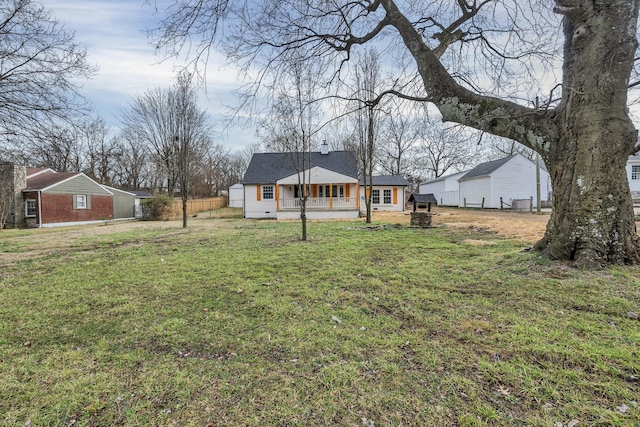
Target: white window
(81, 201)
(387, 197)
(635, 172)
(267, 192)
(375, 197)
(31, 208)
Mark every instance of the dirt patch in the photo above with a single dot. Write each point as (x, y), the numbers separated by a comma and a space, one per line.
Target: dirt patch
(513, 225)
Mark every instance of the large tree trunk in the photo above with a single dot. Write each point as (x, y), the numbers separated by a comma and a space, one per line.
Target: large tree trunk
(585, 141)
(592, 221)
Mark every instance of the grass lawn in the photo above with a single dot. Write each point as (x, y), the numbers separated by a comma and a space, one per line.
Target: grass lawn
(237, 322)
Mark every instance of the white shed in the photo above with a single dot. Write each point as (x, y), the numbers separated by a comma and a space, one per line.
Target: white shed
(445, 189)
(511, 179)
(236, 196)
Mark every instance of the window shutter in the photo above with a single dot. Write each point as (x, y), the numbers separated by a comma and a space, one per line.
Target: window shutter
(258, 194)
(395, 195)
(75, 201)
(88, 201)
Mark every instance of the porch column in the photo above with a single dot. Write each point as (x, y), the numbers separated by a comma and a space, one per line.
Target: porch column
(277, 197)
(357, 196)
(330, 196)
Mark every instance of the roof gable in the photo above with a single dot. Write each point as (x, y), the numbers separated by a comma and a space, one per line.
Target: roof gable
(454, 175)
(487, 168)
(316, 175)
(267, 168)
(50, 180)
(31, 172)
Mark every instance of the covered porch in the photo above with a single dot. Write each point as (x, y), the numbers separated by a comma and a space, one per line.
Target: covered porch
(326, 200)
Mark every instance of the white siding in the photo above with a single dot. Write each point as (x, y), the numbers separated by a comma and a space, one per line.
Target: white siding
(473, 190)
(254, 208)
(236, 197)
(449, 198)
(434, 188)
(514, 180)
(446, 190)
(395, 207)
(311, 214)
(517, 180)
(634, 184)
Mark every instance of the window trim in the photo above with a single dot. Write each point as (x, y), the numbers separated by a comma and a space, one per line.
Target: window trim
(386, 195)
(268, 192)
(82, 205)
(26, 208)
(375, 196)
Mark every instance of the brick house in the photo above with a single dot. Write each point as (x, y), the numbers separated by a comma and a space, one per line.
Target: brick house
(45, 198)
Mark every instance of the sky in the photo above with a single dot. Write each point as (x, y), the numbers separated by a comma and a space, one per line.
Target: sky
(112, 31)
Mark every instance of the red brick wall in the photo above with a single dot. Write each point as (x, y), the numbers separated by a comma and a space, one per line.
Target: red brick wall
(59, 208)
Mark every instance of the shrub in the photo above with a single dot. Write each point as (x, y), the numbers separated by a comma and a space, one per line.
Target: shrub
(155, 208)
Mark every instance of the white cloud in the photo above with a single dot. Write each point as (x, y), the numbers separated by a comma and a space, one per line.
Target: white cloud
(113, 32)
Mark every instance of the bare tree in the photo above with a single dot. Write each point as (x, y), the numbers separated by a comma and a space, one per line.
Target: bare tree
(40, 64)
(399, 134)
(292, 122)
(502, 147)
(59, 147)
(505, 54)
(176, 130)
(7, 198)
(367, 82)
(441, 148)
(131, 162)
(101, 151)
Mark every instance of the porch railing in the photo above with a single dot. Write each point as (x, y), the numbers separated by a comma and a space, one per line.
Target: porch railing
(324, 203)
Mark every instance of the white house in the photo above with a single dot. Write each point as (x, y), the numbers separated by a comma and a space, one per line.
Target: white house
(388, 193)
(271, 185)
(510, 179)
(445, 189)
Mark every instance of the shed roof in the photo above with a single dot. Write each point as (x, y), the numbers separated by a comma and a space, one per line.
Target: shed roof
(267, 168)
(444, 177)
(487, 168)
(423, 198)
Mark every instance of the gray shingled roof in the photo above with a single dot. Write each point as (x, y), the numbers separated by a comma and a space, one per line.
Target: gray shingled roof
(487, 168)
(391, 180)
(442, 178)
(47, 179)
(267, 168)
(423, 198)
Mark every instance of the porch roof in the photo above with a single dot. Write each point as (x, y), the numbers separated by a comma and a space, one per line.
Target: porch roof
(317, 175)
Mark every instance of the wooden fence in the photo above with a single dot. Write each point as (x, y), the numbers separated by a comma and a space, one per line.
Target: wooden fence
(196, 205)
